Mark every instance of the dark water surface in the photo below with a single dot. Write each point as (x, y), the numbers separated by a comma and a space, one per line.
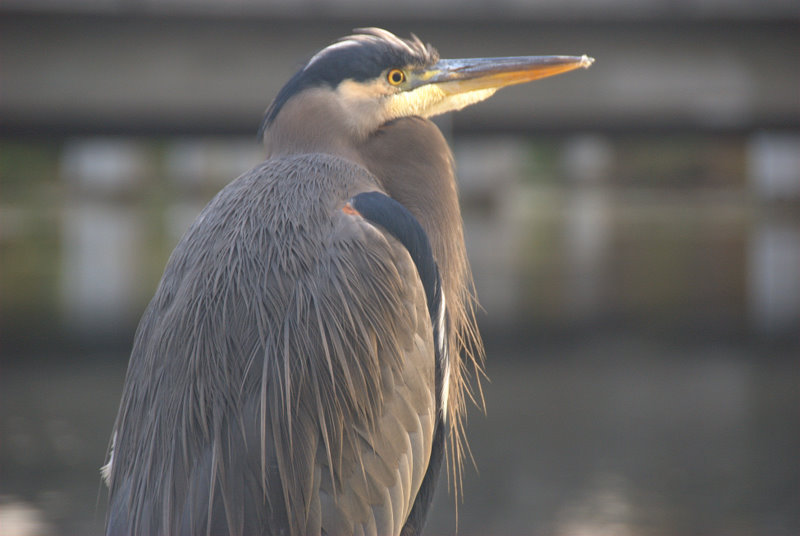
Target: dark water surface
(596, 435)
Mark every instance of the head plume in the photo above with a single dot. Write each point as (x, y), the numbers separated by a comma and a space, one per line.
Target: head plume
(361, 56)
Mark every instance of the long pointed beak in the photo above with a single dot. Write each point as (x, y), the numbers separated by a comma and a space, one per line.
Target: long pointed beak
(463, 75)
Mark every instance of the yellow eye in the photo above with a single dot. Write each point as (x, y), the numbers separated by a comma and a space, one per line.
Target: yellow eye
(396, 77)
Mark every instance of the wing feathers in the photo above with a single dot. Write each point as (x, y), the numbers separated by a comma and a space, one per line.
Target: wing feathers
(282, 378)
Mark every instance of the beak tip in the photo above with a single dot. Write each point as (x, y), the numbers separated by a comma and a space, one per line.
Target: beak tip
(586, 61)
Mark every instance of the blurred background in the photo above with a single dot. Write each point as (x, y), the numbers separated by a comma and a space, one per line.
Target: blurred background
(634, 231)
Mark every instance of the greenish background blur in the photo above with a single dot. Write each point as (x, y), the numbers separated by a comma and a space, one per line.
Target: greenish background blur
(634, 230)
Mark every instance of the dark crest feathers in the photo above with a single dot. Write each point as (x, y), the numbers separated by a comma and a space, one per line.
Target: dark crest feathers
(360, 57)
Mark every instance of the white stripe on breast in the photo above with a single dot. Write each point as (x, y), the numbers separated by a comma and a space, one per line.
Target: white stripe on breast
(443, 355)
(105, 471)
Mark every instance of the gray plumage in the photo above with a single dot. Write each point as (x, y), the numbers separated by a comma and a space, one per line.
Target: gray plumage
(289, 376)
(302, 316)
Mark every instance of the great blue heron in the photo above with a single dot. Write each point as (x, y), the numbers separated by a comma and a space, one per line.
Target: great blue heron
(301, 367)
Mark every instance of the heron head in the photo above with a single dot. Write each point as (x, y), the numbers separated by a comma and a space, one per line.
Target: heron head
(372, 77)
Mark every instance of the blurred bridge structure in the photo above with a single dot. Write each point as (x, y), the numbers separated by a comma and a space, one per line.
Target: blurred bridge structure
(202, 66)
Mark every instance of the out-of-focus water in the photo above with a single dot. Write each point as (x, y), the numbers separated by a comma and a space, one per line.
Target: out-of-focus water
(629, 436)
(596, 435)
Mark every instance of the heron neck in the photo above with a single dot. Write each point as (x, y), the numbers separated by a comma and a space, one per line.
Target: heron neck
(410, 158)
(311, 124)
(413, 162)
